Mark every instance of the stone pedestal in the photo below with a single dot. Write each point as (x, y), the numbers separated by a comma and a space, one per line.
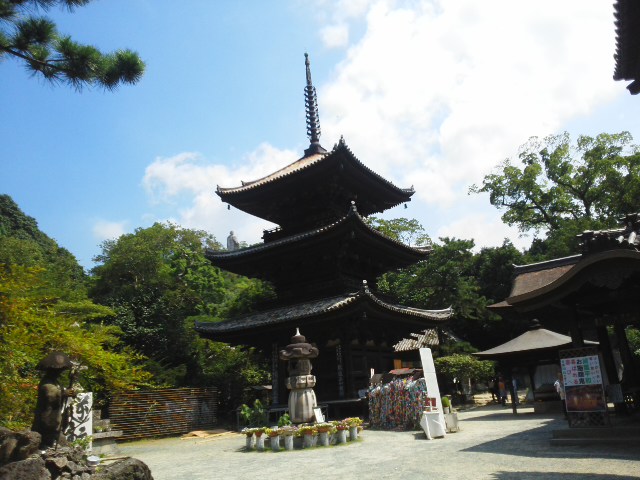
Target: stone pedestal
(302, 399)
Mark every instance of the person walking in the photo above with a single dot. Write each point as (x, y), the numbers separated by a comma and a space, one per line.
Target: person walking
(502, 390)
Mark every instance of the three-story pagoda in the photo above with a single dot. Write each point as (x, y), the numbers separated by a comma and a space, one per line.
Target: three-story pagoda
(323, 261)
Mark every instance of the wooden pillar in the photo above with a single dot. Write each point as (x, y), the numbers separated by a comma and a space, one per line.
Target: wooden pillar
(347, 362)
(607, 354)
(531, 369)
(576, 332)
(275, 374)
(340, 370)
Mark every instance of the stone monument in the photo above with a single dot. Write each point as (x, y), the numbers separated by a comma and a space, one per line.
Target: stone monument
(232, 242)
(300, 382)
(48, 415)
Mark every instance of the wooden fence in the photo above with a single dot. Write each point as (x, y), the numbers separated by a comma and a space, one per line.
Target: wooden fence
(172, 411)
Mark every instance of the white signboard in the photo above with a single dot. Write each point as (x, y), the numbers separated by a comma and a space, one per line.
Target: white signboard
(429, 369)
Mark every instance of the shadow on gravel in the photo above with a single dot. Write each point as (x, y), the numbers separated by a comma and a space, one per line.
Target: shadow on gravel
(536, 443)
(557, 476)
(504, 415)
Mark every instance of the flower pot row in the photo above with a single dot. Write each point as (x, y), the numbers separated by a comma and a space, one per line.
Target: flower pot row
(304, 436)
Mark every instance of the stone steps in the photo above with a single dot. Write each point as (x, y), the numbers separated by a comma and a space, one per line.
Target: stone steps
(616, 435)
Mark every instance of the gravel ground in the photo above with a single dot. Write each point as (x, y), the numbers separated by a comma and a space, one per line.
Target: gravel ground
(491, 444)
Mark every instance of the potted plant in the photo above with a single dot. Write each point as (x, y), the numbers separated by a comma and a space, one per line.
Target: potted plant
(446, 404)
(274, 438)
(250, 439)
(284, 420)
(323, 430)
(260, 438)
(341, 429)
(307, 432)
(353, 424)
(288, 432)
(253, 417)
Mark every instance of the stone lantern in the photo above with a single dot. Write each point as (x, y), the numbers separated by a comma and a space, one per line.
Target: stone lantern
(300, 382)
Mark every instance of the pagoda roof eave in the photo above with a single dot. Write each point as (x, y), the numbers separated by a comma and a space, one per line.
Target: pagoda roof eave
(233, 194)
(353, 218)
(317, 310)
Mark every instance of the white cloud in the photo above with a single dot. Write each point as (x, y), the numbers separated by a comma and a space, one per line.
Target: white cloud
(432, 94)
(436, 93)
(188, 181)
(485, 230)
(108, 230)
(335, 36)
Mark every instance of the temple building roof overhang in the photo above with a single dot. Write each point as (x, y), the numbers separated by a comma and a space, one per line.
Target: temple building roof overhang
(627, 56)
(332, 308)
(605, 278)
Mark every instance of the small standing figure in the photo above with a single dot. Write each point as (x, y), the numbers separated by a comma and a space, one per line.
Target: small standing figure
(48, 417)
(232, 242)
(502, 390)
(559, 384)
(493, 389)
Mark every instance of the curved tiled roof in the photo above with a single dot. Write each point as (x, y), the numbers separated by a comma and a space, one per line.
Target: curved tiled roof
(351, 215)
(316, 308)
(303, 164)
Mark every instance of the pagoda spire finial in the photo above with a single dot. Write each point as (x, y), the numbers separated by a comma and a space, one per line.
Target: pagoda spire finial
(313, 119)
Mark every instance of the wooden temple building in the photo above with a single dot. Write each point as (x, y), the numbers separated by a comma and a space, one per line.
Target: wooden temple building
(589, 296)
(323, 260)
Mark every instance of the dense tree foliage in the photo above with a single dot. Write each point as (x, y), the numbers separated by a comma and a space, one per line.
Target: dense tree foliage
(455, 276)
(35, 41)
(465, 367)
(562, 188)
(158, 281)
(22, 243)
(404, 230)
(44, 307)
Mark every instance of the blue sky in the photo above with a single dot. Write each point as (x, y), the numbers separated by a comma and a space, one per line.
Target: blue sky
(428, 93)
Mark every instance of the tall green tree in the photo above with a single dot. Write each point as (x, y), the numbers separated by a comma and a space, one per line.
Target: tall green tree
(44, 307)
(158, 281)
(562, 188)
(34, 40)
(447, 278)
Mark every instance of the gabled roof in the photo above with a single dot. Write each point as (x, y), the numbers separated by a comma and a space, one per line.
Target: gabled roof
(537, 275)
(246, 260)
(316, 310)
(426, 338)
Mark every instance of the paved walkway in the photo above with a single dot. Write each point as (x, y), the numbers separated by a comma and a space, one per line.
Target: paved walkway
(492, 444)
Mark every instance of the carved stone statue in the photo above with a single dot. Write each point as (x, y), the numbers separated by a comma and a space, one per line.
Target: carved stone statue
(302, 398)
(232, 242)
(48, 416)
